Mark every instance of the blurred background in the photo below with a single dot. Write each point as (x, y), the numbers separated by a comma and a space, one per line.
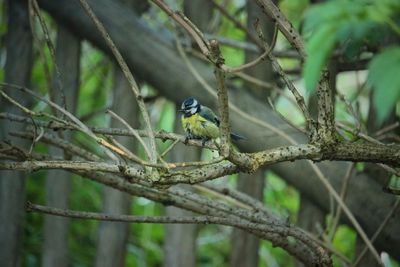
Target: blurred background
(95, 83)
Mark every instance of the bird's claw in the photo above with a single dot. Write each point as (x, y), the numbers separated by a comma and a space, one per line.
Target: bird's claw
(203, 142)
(186, 140)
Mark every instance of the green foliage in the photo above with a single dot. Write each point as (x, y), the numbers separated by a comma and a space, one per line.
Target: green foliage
(33, 233)
(85, 195)
(145, 242)
(384, 78)
(351, 25)
(213, 245)
(166, 123)
(294, 10)
(96, 83)
(344, 241)
(233, 57)
(318, 48)
(281, 198)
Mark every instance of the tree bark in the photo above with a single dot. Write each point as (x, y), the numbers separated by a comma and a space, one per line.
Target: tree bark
(113, 237)
(58, 182)
(12, 184)
(152, 57)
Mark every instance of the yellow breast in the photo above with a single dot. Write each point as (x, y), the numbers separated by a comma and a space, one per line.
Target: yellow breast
(199, 127)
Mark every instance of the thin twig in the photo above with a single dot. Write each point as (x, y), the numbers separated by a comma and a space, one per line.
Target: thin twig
(77, 123)
(284, 118)
(256, 61)
(52, 54)
(128, 75)
(378, 231)
(132, 131)
(284, 25)
(347, 211)
(189, 27)
(168, 149)
(30, 207)
(343, 192)
(238, 24)
(221, 196)
(386, 129)
(351, 111)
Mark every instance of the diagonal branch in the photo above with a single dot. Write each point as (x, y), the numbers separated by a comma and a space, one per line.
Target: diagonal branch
(284, 25)
(128, 75)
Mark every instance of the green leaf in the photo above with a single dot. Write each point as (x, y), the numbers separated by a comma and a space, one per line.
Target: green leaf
(319, 48)
(384, 77)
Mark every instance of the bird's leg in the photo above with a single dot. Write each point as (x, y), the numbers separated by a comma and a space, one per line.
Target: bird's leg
(188, 135)
(186, 139)
(204, 141)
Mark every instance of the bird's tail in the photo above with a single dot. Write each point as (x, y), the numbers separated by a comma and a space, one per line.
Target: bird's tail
(237, 137)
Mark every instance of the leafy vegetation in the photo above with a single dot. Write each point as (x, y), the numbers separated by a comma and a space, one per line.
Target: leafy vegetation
(355, 28)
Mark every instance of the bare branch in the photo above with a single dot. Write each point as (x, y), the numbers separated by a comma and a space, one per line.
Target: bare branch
(222, 93)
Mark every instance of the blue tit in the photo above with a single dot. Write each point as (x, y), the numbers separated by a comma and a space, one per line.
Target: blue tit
(200, 122)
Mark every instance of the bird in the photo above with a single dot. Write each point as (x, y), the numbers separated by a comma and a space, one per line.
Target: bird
(200, 122)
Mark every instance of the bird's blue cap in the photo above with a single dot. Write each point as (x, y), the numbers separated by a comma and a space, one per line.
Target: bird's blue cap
(189, 103)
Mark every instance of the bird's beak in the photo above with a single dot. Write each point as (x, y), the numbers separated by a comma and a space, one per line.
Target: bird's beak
(181, 110)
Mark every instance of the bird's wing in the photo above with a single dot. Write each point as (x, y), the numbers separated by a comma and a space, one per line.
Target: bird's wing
(209, 115)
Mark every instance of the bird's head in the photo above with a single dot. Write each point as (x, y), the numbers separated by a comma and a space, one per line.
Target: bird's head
(190, 106)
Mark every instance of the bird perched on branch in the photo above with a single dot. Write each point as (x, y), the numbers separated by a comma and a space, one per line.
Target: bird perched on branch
(200, 122)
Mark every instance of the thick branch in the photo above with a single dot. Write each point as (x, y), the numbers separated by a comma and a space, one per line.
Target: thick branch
(222, 97)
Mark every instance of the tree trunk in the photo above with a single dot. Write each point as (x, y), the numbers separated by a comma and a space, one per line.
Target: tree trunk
(113, 237)
(310, 217)
(180, 239)
(200, 12)
(58, 182)
(154, 59)
(244, 250)
(262, 71)
(12, 184)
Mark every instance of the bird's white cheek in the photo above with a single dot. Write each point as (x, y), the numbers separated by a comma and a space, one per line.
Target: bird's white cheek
(193, 110)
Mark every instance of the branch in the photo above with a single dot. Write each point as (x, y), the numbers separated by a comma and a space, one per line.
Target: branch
(222, 92)
(326, 131)
(30, 207)
(284, 25)
(183, 21)
(58, 125)
(242, 224)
